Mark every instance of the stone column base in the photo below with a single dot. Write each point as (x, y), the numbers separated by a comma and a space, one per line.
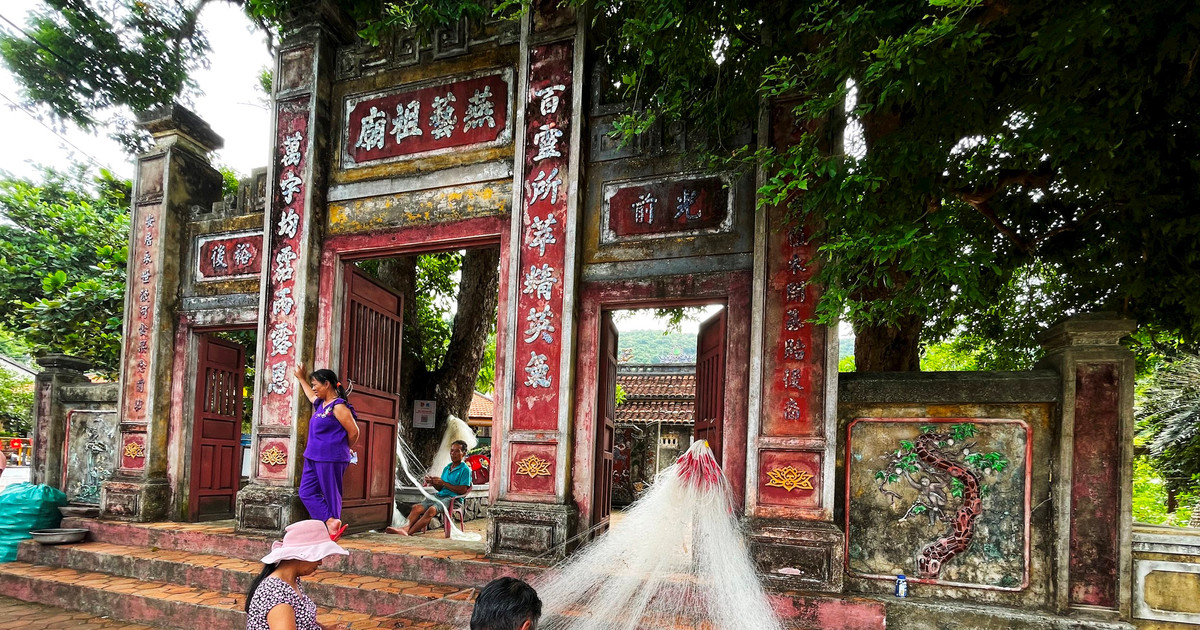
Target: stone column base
(267, 510)
(798, 555)
(530, 532)
(135, 500)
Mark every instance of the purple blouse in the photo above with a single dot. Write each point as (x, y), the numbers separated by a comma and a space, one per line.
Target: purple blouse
(327, 439)
(272, 592)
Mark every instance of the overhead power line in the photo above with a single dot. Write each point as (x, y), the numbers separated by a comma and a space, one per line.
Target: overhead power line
(54, 131)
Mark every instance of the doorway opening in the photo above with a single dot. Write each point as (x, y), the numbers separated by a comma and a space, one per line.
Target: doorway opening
(660, 388)
(221, 420)
(418, 346)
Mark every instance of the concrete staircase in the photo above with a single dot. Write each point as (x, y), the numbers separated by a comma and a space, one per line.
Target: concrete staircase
(177, 575)
(185, 575)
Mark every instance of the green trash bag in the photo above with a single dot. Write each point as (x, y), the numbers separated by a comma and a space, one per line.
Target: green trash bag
(25, 507)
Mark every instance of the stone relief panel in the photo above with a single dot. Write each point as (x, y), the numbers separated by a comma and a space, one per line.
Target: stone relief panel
(940, 500)
(92, 450)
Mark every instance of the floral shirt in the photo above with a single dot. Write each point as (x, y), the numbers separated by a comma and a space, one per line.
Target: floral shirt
(272, 592)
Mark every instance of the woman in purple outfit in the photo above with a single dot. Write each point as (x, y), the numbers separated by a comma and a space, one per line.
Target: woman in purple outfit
(332, 432)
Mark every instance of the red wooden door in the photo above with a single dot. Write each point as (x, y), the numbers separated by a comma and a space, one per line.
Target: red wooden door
(710, 382)
(371, 336)
(216, 429)
(606, 413)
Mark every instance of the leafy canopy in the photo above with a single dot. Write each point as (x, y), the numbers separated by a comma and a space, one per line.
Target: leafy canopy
(63, 248)
(1007, 163)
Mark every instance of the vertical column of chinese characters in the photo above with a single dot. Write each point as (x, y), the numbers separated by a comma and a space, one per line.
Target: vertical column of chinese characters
(139, 356)
(286, 230)
(796, 335)
(543, 250)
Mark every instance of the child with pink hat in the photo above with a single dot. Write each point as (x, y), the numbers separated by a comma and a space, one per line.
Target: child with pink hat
(275, 599)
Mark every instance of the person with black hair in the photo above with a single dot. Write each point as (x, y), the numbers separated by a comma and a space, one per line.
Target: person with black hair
(454, 482)
(275, 599)
(506, 604)
(332, 432)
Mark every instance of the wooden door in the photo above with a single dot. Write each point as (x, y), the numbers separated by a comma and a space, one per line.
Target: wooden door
(371, 334)
(710, 382)
(606, 413)
(216, 429)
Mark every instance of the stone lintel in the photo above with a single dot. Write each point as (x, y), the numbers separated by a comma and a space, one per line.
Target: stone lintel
(798, 555)
(536, 533)
(267, 510)
(1092, 329)
(176, 120)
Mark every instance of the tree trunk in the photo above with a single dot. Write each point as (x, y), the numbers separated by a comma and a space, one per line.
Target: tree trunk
(478, 294)
(888, 348)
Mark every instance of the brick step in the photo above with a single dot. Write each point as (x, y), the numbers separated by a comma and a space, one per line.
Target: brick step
(159, 603)
(418, 559)
(213, 573)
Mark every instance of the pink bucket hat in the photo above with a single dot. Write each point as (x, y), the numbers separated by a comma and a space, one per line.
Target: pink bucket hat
(305, 540)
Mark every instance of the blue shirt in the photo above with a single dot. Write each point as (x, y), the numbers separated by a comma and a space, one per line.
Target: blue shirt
(460, 476)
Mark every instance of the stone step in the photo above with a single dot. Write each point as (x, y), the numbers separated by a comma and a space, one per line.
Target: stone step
(213, 573)
(159, 603)
(15, 613)
(418, 559)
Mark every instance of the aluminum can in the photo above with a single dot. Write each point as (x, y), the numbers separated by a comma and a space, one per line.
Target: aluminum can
(901, 586)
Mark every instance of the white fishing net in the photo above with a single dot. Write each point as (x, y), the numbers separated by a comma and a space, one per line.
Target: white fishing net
(677, 559)
(414, 473)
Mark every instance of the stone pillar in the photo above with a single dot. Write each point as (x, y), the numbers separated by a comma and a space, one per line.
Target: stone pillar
(50, 416)
(172, 178)
(791, 460)
(534, 516)
(1094, 472)
(293, 231)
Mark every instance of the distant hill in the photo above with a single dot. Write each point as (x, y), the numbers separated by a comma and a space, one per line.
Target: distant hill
(652, 346)
(846, 347)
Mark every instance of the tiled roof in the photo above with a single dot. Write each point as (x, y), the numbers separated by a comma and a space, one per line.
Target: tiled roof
(657, 397)
(646, 411)
(481, 406)
(673, 386)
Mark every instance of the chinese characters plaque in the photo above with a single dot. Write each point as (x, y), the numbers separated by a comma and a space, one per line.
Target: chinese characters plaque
(416, 122)
(287, 229)
(229, 257)
(542, 260)
(665, 207)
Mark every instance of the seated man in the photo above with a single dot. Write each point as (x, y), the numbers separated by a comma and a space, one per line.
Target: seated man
(506, 604)
(455, 482)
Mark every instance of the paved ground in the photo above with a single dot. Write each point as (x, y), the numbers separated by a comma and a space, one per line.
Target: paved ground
(15, 614)
(11, 475)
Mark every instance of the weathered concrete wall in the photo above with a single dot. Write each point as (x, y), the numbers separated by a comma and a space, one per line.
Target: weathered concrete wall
(1166, 578)
(898, 502)
(76, 441)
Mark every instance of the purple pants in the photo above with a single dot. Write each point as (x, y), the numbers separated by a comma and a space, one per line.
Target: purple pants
(321, 489)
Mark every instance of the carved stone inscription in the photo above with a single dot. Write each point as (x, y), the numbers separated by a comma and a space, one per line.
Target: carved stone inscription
(415, 122)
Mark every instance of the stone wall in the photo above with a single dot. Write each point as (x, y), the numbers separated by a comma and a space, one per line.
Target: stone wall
(918, 449)
(76, 441)
(1166, 577)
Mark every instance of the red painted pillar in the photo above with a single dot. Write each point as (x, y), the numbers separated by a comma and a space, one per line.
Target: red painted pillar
(533, 516)
(793, 420)
(172, 178)
(294, 224)
(1093, 484)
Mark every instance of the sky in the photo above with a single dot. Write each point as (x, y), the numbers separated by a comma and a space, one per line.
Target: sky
(228, 101)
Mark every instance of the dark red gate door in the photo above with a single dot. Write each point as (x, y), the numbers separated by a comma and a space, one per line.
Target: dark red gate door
(371, 335)
(606, 413)
(710, 382)
(217, 429)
